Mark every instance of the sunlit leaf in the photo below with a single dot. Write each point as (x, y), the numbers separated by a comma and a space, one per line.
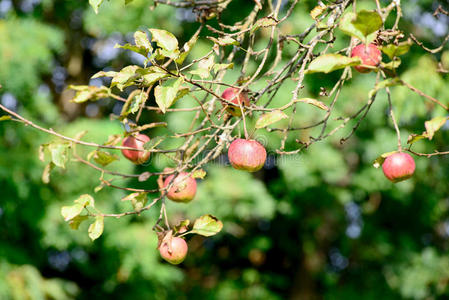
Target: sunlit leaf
(46, 172)
(138, 200)
(95, 4)
(96, 228)
(330, 62)
(380, 160)
(164, 39)
(207, 225)
(166, 94)
(270, 118)
(393, 50)
(434, 125)
(314, 102)
(58, 154)
(70, 212)
(199, 174)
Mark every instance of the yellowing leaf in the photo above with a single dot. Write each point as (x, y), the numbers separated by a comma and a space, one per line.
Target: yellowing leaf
(164, 39)
(96, 228)
(264, 22)
(270, 118)
(70, 212)
(434, 125)
(380, 160)
(314, 102)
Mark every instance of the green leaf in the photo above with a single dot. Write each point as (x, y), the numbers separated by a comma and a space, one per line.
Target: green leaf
(186, 49)
(264, 22)
(86, 200)
(434, 125)
(58, 154)
(76, 222)
(151, 75)
(46, 172)
(95, 4)
(133, 48)
(200, 174)
(141, 40)
(70, 212)
(330, 62)
(133, 103)
(204, 67)
(5, 118)
(314, 102)
(96, 228)
(348, 28)
(219, 67)
(104, 158)
(383, 84)
(125, 77)
(270, 118)
(367, 22)
(138, 200)
(85, 93)
(207, 225)
(164, 39)
(104, 74)
(412, 138)
(166, 94)
(392, 65)
(153, 143)
(392, 50)
(224, 41)
(182, 227)
(380, 160)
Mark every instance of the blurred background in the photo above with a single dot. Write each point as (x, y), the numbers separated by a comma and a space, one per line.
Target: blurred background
(323, 224)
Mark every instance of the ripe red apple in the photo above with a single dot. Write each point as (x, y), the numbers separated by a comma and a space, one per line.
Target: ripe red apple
(183, 188)
(230, 94)
(137, 157)
(398, 166)
(369, 54)
(248, 155)
(176, 253)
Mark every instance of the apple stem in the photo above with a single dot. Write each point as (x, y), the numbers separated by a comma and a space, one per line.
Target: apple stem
(393, 118)
(244, 120)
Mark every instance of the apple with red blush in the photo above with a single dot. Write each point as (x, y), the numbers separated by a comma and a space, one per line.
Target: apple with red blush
(137, 142)
(398, 167)
(370, 55)
(248, 155)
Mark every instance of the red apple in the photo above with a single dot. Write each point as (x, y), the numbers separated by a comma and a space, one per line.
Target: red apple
(248, 155)
(398, 166)
(137, 157)
(369, 54)
(230, 94)
(183, 188)
(176, 252)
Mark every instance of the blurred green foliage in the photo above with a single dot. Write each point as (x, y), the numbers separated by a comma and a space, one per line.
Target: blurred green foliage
(322, 224)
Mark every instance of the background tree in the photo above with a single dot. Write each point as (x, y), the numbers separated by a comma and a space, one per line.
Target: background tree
(319, 222)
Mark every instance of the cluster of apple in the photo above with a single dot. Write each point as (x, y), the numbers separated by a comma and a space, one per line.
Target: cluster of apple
(398, 166)
(243, 154)
(249, 155)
